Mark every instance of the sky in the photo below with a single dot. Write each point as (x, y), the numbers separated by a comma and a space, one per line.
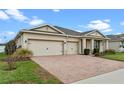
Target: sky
(105, 20)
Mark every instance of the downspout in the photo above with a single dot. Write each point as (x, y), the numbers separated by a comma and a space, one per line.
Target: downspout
(81, 47)
(66, 43)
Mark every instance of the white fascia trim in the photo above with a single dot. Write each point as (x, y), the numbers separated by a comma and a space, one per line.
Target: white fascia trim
(45, 25)
(50, 34)
(91, 37)
(35, 27)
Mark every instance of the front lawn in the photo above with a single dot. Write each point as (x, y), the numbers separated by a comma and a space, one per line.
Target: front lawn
(118, 56)
(27, 72)
(2, 55)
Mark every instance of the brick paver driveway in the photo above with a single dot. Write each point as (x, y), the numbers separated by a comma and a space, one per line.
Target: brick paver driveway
(72, 68)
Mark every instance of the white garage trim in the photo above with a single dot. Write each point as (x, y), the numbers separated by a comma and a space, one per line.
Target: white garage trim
(45, 40)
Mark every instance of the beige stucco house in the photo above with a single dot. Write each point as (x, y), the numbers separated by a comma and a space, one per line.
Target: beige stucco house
(54, 40)
(2, 48)
(116, 42)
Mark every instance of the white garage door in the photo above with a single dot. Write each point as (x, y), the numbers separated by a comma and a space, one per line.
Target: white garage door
(44, 48)
(72, 48)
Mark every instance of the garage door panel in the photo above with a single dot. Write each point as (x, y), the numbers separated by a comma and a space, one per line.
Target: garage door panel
(44, 48)
(72, 48)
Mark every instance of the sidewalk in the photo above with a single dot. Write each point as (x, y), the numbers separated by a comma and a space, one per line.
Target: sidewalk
(115, 77)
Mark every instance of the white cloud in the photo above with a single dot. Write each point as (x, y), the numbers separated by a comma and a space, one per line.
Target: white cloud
(56, 10)
(106, 20)
(1, 41)
(10, 33)
(6, 36)
(82, 26)
(7, 33)
(98, 24)
(118, 33)
(107, 30)
(95, 21)
(3, 15)
(16, 14)
(78, 30)
(36, 21)
(102, 25)
(122, 23)
(19, 16)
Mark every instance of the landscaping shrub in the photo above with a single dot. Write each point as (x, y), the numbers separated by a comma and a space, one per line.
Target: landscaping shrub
(96, 50)
(19, 55)
(10, 47)
(109, 51)
(22, 54)
(86, 51)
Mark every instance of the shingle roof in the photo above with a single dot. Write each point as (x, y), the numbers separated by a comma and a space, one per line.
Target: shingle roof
(116, 37)
(1, 44)
(68, 31)
(72, 32)
(86, 32)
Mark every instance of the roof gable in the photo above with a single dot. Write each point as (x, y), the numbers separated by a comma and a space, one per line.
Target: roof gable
(94, 33)
(47, 29)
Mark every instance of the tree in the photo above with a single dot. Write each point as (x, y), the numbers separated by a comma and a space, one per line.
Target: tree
(10, 47)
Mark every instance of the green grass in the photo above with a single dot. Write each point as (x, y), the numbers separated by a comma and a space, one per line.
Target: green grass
(117, 56)
(2, 55)
(27, 72)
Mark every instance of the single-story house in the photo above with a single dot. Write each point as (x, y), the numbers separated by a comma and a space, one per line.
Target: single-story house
(2, 48)
(54, 40)
(116, 42)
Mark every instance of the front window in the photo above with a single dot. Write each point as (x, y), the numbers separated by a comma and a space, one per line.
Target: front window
(96, 44)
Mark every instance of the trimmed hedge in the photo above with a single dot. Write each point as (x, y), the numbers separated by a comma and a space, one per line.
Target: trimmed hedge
(86, 51)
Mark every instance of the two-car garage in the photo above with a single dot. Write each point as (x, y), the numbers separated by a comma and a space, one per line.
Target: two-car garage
(49, 47)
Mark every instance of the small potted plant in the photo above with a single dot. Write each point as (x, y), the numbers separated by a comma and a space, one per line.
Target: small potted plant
(96, 50)
(86, 51)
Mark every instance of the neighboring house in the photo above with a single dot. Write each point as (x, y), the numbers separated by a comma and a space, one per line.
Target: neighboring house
(2, 48)
(116, 42)
(54, 40)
